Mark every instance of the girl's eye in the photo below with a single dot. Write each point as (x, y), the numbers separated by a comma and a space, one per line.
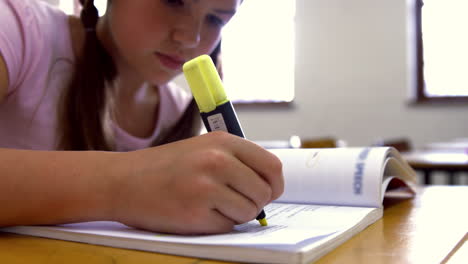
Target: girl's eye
(175, 2)
(215, 21)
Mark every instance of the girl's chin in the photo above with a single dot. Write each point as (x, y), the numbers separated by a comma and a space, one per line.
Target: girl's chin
(163, 80)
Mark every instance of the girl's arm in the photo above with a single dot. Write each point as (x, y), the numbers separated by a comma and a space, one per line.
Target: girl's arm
(52, 187)
(205, 184)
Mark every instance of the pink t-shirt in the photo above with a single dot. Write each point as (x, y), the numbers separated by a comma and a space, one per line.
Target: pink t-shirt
(36, 46)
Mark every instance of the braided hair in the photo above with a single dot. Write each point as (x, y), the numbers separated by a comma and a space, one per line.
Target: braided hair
(88, 100)
(84, 102)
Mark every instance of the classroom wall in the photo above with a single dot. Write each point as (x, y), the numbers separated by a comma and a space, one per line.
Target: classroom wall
(354, 80)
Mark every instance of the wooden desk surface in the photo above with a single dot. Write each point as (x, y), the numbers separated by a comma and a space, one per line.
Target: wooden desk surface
(426, 229)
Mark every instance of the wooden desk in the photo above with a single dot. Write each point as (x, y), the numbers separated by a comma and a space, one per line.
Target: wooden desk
(451, 162)
(426, 229)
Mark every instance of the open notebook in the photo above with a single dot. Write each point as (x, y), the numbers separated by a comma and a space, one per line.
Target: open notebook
(330, 195)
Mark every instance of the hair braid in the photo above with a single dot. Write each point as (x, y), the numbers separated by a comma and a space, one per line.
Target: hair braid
(89, 15)
(82, 121)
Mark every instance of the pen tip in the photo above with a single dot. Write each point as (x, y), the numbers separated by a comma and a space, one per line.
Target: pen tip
(263, 222)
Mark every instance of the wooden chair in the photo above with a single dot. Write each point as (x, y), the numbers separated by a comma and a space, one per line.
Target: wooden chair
(326, 142)
(400, 144)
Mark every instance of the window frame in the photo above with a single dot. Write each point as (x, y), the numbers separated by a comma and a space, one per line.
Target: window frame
(421, 97)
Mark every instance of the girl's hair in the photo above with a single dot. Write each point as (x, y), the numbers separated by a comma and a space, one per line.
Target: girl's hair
(87, 102)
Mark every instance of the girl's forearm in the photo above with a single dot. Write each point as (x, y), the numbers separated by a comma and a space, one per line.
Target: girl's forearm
(52, 187)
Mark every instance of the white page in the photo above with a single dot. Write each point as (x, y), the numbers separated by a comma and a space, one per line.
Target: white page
(289, 224)
(343, 176)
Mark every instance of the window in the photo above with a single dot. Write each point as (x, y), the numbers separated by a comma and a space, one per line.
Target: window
(442, 50)
(67, 6)
(257, 50)
(101, 6)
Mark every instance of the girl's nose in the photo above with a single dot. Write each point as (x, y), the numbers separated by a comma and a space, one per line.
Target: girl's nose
(187, 32)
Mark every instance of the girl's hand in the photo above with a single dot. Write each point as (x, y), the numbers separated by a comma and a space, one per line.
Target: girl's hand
(205, 184)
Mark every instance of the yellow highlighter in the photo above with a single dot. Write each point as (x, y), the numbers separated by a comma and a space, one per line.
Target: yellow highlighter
(216, 110)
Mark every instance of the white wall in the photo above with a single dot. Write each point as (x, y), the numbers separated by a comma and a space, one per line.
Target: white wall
(353, 80)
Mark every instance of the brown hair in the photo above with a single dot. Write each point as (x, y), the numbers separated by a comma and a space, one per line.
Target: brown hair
(86, 102)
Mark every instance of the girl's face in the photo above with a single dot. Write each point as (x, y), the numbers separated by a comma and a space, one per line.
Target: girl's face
(151, 39)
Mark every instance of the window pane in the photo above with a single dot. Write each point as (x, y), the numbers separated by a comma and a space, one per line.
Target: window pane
(258, 52)
(445, 42)
(101, 6)
(67, 6)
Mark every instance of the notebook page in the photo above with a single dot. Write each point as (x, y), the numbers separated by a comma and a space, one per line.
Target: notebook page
(289, 224)
(339, 176)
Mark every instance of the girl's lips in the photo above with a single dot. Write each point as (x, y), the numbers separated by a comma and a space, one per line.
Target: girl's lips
(173, 63)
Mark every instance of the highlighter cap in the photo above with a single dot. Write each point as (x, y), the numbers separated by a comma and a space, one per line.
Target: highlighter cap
(205, 83)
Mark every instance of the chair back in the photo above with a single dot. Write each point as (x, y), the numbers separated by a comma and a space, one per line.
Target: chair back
(326, 142)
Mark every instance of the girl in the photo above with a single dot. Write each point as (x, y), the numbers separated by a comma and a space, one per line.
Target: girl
(92, 129)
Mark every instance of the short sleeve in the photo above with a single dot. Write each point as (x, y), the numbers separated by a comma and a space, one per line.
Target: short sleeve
(11, 41)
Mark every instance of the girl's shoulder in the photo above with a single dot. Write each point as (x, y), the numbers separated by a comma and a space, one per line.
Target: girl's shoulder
(30, 11)
(31, 18)
(32, 32)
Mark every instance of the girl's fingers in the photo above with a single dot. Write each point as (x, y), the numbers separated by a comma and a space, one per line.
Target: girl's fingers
(235, 206)
(217, 223)
(213, 222)
(247, 183)
(263, 162)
